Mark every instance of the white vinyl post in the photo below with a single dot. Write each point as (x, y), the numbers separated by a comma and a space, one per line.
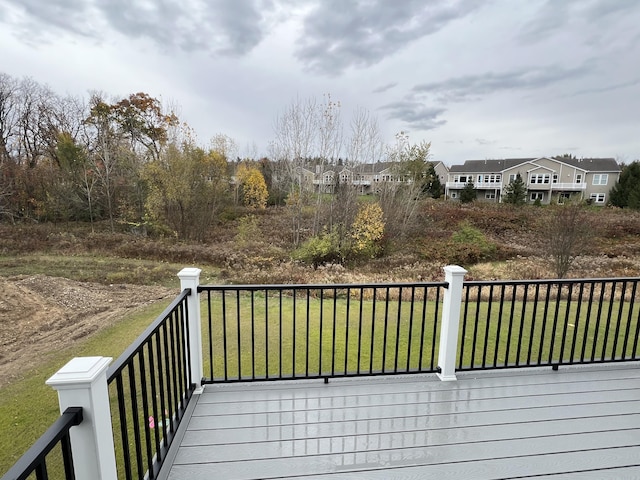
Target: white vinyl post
(454, 275)
(190, 278)
(83, 383)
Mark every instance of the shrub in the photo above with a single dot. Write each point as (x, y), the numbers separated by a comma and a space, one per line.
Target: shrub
(469, 245)
(320, 250)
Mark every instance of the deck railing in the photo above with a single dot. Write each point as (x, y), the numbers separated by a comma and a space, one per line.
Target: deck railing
(548, 323)
(277, 332)
(35, 460)
(151, 385)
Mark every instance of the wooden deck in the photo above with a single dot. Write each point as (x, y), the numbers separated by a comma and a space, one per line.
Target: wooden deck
(578, 422)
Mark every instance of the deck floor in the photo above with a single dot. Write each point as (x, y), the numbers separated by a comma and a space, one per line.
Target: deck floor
(578, 422)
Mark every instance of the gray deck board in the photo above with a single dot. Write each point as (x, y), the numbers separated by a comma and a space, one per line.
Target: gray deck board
(581, 422)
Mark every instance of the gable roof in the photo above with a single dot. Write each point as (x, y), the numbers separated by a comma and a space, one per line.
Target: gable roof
(591, 164)
(488, 166)
(497, 166)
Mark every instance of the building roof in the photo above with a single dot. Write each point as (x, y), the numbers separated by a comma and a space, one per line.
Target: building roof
(497, 166)
(488, 166)
(592, 164)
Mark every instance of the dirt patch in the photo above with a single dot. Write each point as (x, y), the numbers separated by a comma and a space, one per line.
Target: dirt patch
(40, 314)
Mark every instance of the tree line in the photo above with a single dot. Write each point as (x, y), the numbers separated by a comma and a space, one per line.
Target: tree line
(132, 161)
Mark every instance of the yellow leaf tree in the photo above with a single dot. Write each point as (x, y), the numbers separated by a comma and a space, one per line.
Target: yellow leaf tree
(367, 230)
(254, 188)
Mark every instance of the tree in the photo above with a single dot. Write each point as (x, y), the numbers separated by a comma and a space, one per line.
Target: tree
(626, 191)
(515, 192)
(400, 198)
(367, 231)
(567, 231)
(187, 189)
(468, 193)
(432, 185)
(253, 186)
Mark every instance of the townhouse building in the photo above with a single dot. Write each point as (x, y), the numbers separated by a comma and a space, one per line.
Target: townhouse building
(368, 178)
(547, 179)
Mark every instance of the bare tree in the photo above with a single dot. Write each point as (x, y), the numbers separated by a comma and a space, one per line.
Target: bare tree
(9, 115)
(400, 197)
(567, 231)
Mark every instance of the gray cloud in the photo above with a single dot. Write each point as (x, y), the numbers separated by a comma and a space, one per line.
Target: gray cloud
(554, 16)
(385, 87)
(415, 114)
(339, 34)
(472, 86)
(222, 27)
(608, 88)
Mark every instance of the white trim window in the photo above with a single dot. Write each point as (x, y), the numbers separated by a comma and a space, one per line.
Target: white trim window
(490, 195)
(555, 178)
(597, 197)
(600, 179)
(578, 178)
(536, 196)
(539, 178)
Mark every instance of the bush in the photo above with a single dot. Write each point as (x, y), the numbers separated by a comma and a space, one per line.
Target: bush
(469, 245)
(320, 250)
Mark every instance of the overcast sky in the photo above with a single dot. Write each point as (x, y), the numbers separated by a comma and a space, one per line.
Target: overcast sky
(479, 79)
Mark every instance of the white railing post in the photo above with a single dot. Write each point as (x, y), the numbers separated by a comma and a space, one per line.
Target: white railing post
(190, 278)
(454, 275)
(83, 383)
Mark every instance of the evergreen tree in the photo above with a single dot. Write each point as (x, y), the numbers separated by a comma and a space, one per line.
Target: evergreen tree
(516, 192)
(436, 188)
(468, 193)
(626, 191)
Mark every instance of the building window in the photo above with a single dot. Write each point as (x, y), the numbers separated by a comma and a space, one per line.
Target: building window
(579, 178)
(600, 179)
(512, 177)
(536, 196)
(597, 197)
(563, 196)
(461, 178)
(555, 178)
(539, 178)
(490, 178)
(490, 196)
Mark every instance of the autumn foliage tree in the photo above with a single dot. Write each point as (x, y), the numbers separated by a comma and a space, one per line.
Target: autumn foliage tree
(253, 186)
(187, 189)
(367, 231)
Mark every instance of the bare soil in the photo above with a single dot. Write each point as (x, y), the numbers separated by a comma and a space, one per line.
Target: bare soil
(40, 314)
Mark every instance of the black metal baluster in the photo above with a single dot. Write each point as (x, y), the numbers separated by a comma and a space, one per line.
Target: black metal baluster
(464, 326)
(599, 316)
(225, 332)
(536, 298)
(410, 333)
(398, 322)
(576, 323)
(210, 331)
(629, 319)
(386, 320)
(373, 328)
(609, 315)
(486, 327)
(238, 334)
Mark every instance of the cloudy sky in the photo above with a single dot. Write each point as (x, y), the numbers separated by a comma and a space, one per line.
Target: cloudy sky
(477, 78)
